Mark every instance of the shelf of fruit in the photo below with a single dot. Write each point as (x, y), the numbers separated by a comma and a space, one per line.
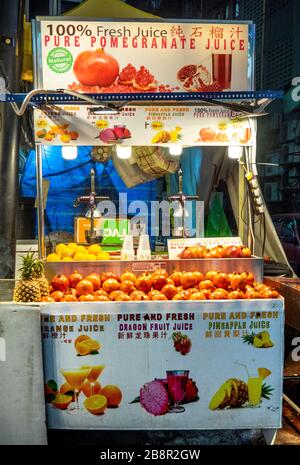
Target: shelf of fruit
(219, 251)
(159, 285)
(75, 252)
(128, 286)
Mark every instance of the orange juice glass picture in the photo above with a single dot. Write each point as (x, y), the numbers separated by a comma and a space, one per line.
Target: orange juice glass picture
(76, 377)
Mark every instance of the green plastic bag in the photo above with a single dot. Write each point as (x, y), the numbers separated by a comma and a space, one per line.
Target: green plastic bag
(216, 224)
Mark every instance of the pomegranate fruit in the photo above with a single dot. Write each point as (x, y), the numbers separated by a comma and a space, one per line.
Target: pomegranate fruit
(191, 77)
(144, 80)
(127, 75)
(74, 278)
(84, 287)
(60, 282)
(96, 68)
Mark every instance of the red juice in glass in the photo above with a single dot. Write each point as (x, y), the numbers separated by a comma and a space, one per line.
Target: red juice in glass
(177, 380)
(221, 69)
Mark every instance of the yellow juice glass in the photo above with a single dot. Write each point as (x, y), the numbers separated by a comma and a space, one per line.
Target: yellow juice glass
(254, 390)
(94, 374)
(76, 377)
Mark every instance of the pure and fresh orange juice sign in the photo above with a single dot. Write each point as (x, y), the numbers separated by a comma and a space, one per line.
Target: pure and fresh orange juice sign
(130, 365)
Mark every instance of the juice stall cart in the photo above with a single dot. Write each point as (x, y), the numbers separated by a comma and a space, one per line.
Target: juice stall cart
(132, 362)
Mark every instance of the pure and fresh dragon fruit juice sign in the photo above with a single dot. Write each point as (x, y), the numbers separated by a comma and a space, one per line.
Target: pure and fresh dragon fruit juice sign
(134, 57)
(119, 365)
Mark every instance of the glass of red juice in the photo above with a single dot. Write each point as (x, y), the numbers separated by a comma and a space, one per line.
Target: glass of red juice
(177, 380)
(221, 69)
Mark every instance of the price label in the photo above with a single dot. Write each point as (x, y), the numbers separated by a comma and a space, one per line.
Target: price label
(157, 125)
(101, 124)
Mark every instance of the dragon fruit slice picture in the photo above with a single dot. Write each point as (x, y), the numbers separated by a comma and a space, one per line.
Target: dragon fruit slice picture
(155, 397)
(114, 135)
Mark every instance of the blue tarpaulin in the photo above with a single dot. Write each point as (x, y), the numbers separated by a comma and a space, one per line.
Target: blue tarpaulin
(71, 178)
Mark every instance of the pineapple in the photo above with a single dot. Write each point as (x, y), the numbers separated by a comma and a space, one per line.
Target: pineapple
(234, 393)
(249, 338)
(39, 276)
(260, 340)
(27, 289)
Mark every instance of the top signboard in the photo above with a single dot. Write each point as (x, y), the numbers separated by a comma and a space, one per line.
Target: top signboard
(143, 56)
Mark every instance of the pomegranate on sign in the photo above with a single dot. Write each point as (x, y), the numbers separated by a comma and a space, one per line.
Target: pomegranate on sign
(96, 68)
(193, 77)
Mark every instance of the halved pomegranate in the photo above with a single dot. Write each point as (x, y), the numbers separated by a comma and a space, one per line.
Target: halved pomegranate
(144, 80)
(127, 75)
(191, 77)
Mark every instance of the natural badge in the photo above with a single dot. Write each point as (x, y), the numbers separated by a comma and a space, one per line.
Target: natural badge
(59, 60)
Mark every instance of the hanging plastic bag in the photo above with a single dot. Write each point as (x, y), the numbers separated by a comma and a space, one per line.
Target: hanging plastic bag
(216, 224)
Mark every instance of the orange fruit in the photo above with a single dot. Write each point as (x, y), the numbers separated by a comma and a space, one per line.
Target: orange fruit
(113, 395)
(62, 401)
(66, 252)
(80, 256)
(67, 389)
(94, 249)
(87, 346)
(81, 338)
(53, 257)
(87, 388)
(103, 256)
(59, 248)
(95, 404)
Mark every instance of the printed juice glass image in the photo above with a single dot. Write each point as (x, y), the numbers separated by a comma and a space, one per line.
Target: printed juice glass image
(75, 377)
(221, 69)
(177, 380)
(94, 374)
(254, 390)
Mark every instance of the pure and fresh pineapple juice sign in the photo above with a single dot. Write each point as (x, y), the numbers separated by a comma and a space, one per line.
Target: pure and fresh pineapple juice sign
(142, 56)
(130, 365)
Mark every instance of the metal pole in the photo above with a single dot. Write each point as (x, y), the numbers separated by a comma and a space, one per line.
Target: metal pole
(241, 180)
(93, 206)
(40, 200)
(11, 53)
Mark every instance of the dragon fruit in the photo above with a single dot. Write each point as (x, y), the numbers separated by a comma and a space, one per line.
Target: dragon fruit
(107, 135)
(191, 391)
(154, 398)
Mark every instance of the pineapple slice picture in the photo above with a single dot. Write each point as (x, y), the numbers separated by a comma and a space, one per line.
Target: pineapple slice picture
(161, 137)
(260, 340)
(33, 284)
(234, 392)
(263, 373)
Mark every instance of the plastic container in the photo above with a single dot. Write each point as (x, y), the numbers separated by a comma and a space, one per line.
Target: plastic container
(144, 251)
(127, 251)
